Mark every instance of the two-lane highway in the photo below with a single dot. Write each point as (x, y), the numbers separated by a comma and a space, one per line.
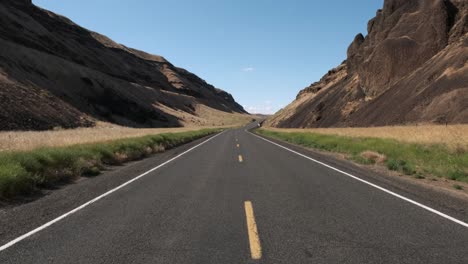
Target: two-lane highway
(237, 198)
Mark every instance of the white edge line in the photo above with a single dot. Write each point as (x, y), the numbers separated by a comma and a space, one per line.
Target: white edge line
(44, 226)
(371, 184)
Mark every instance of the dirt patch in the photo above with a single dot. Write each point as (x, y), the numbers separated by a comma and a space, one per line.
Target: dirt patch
(374, 157)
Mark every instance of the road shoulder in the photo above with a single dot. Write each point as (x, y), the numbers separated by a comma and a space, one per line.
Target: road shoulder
(447, 201)
(17, 219)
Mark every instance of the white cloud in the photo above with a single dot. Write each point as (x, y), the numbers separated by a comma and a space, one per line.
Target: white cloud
(248, 69)
(267, 107)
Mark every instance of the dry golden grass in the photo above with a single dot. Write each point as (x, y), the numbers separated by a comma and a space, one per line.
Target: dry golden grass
(207, 116)
(213, 117)
(28, 140)
(453, 136)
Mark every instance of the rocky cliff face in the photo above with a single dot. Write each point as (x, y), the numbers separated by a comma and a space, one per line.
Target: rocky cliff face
(412, 67)
(56, 73)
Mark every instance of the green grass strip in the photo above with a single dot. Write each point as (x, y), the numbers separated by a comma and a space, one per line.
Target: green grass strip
(411, 159)
(25, 172)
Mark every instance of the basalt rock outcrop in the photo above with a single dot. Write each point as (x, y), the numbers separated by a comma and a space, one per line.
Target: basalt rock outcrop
(412, 67)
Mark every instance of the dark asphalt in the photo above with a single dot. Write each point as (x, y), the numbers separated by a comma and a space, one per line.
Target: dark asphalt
(192, 211)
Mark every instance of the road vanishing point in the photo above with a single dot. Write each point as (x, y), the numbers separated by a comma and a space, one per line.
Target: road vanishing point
(236, 197)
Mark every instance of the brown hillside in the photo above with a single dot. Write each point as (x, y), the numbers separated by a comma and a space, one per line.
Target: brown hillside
(412, 67)
(56, 73)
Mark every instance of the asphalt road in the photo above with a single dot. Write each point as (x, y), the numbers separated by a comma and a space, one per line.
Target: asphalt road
(240, 199)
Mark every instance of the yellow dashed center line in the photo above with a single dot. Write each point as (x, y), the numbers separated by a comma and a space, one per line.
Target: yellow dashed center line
(240, 158)
(238, 145)
(254, 240)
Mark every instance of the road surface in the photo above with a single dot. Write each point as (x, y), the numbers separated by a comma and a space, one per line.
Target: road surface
(237, 198)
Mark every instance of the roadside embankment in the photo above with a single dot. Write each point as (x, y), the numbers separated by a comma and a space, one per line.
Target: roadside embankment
(452, 136)
(25, 172)
(420, 160)
(30, 140)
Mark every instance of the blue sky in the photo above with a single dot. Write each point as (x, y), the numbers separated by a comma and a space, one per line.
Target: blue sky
(261, 51)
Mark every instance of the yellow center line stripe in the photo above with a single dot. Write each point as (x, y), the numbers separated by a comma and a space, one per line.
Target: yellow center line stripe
(238, 145)
(240, 158)
(254, 240)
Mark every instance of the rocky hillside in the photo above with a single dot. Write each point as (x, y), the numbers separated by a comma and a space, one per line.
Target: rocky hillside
(412, 67)
(56, 73)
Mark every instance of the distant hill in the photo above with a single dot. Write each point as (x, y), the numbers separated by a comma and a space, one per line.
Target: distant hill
(56, 73)
(412, 67)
